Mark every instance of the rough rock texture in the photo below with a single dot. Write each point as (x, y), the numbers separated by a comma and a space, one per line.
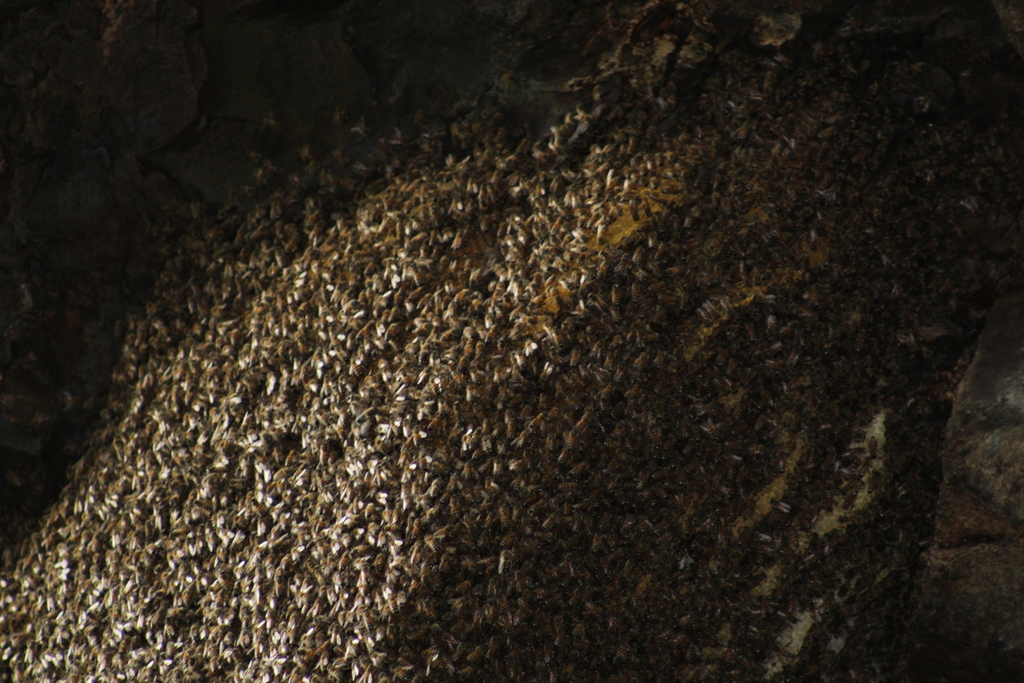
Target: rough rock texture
(82, 95)
(971, 621)
(368, 79)
(1011, 14)
(658, 398)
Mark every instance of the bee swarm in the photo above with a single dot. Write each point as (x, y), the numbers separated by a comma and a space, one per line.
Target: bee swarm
(646, 406)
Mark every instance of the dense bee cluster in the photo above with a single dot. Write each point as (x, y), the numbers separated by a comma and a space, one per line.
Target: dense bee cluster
(660, 404)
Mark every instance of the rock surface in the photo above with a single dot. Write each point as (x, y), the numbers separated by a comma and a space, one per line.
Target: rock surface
(83, 94)
(971, 618)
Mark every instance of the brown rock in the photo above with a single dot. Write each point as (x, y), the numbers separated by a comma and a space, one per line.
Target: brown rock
(154, 66)
(971, 623)
(1011, 13)
(85, 91)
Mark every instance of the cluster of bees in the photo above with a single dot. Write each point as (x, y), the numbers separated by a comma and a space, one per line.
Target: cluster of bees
(539, 412)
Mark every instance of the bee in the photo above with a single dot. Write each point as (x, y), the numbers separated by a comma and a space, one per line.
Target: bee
(641, 361)
(616, 296)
